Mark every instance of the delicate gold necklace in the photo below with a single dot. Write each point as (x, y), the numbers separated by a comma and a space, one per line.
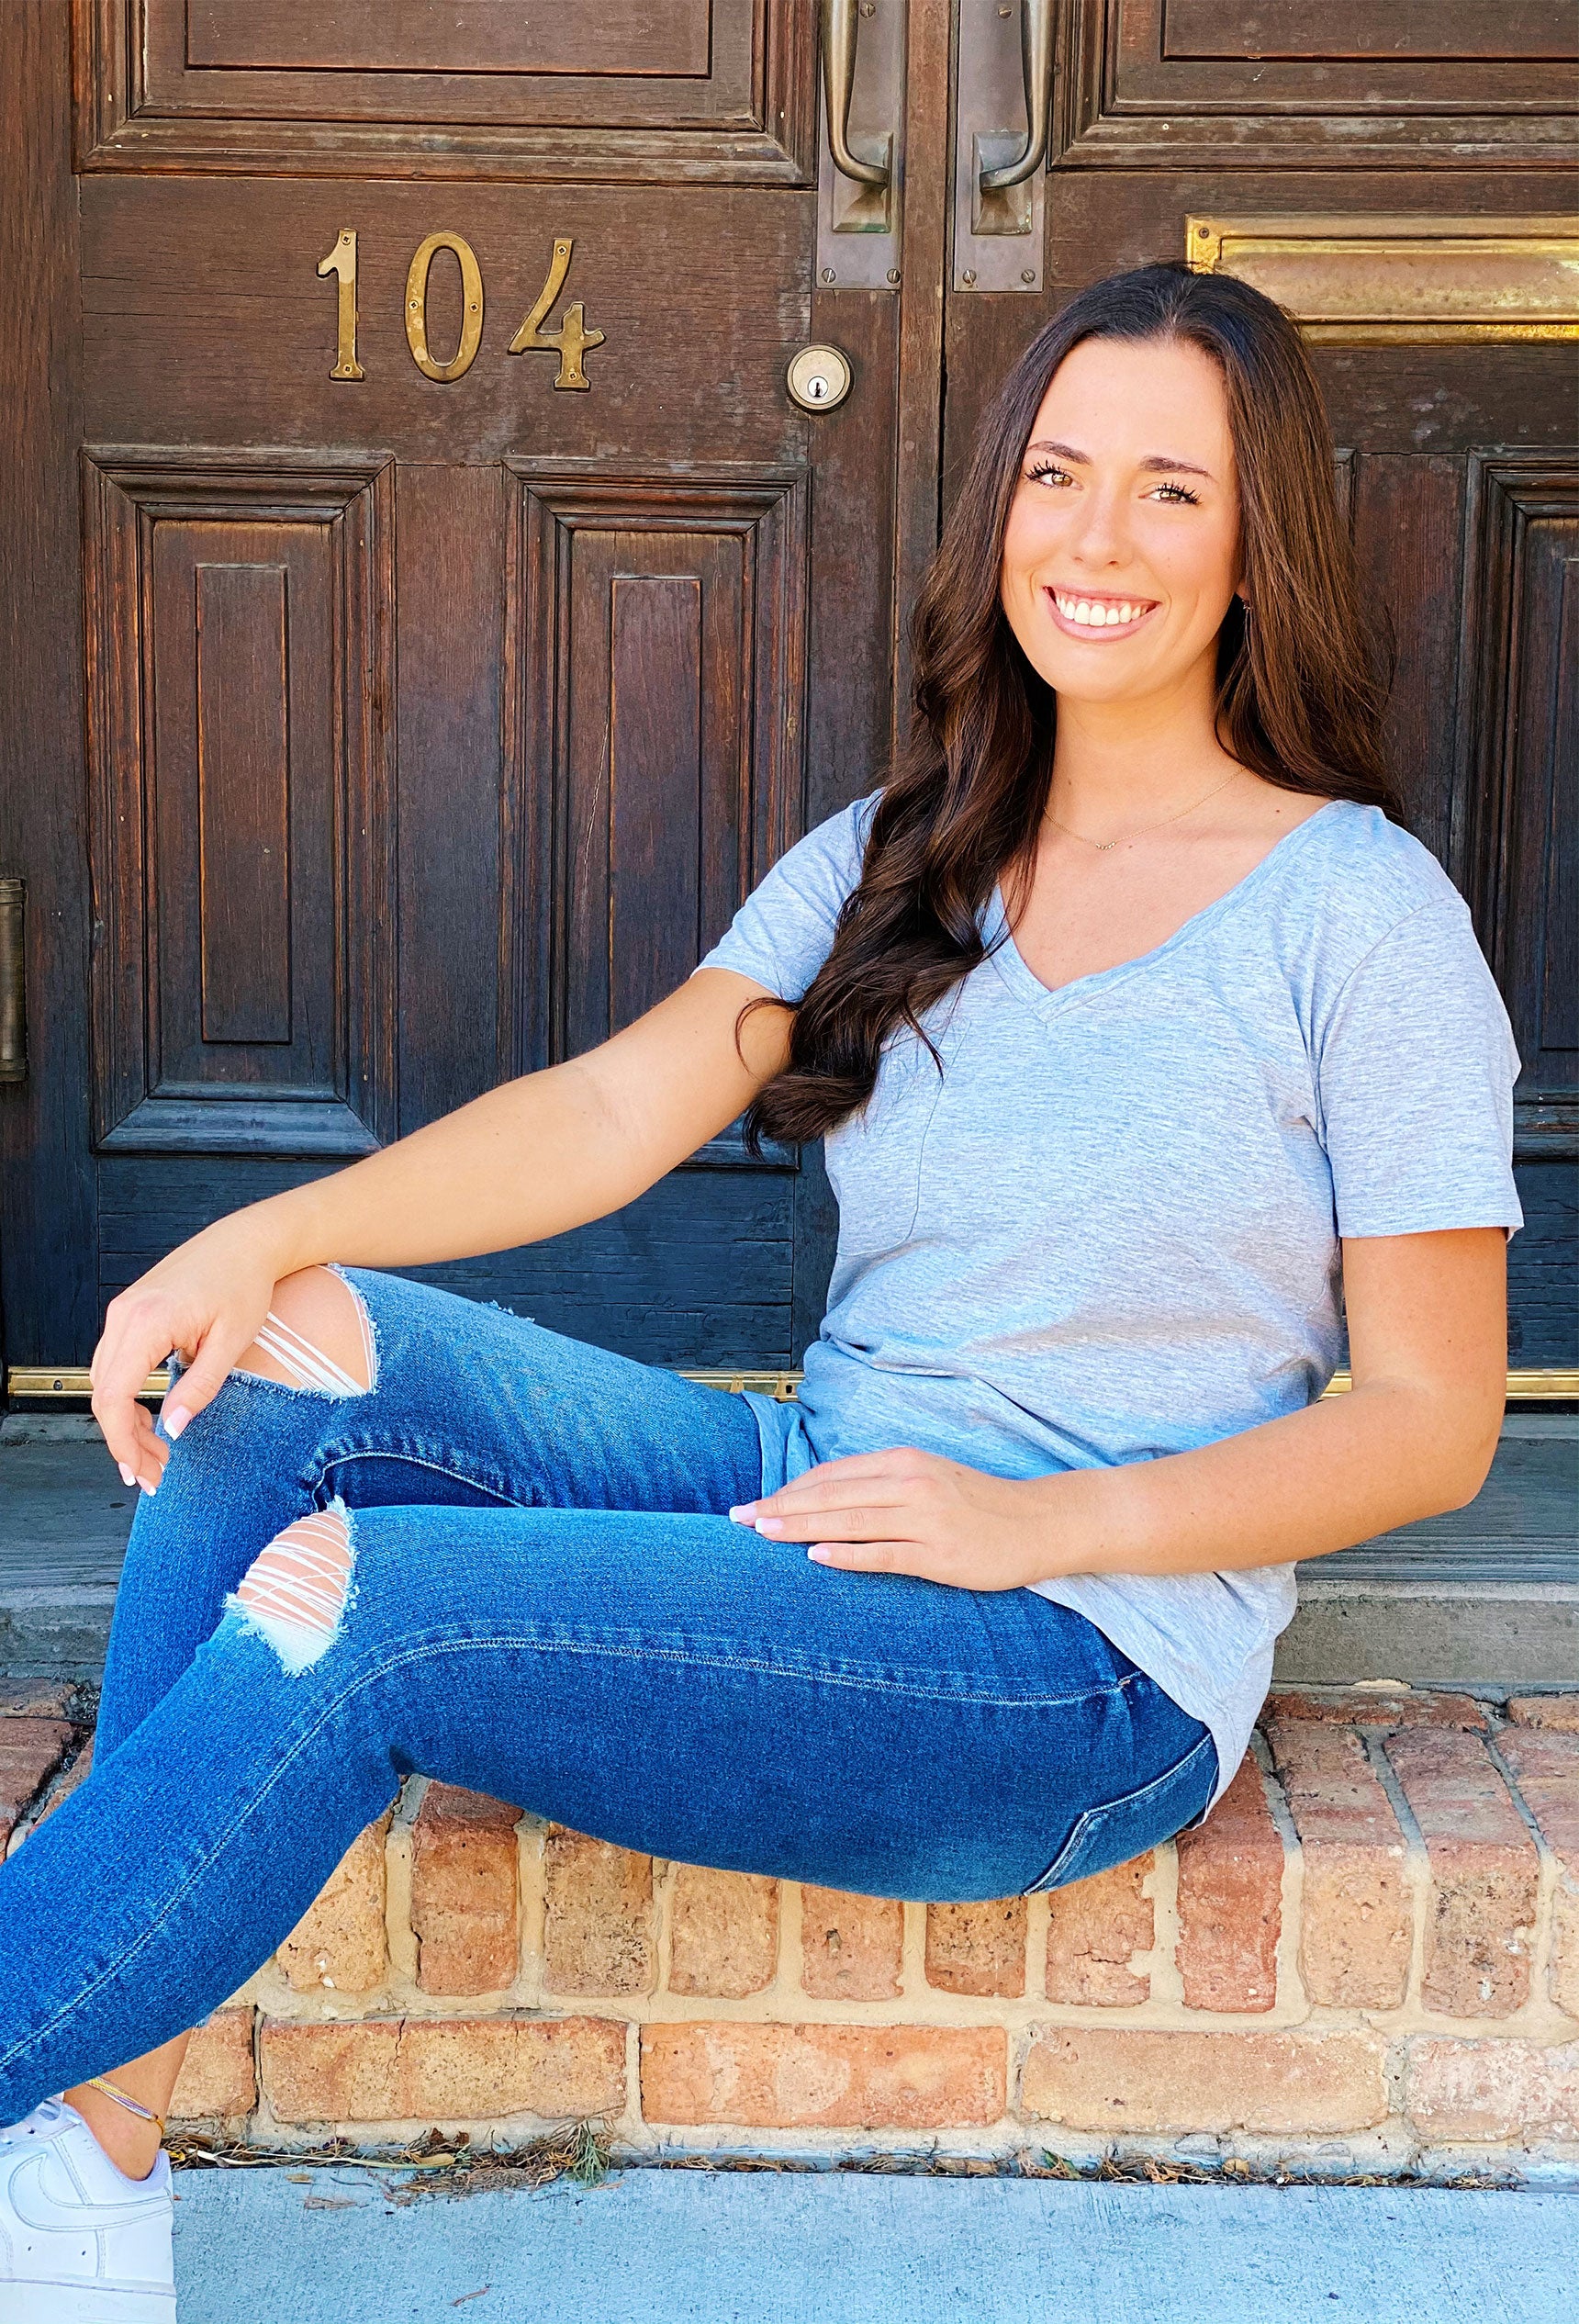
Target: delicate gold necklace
(1103, 847)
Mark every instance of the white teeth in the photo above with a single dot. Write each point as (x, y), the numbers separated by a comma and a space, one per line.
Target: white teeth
(1097, 614)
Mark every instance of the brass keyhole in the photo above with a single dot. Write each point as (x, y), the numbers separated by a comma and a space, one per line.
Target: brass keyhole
(818, 378)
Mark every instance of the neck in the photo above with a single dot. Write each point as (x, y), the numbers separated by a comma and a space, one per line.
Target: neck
(1117, 760)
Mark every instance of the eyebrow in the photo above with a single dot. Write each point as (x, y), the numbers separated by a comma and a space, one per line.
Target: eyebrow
(1154, 464)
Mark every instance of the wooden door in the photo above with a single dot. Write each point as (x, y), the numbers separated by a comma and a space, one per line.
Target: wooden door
(1401, 178)
(426, 612)
(387, 711)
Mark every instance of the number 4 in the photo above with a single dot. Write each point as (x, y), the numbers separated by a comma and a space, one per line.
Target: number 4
(571, 341)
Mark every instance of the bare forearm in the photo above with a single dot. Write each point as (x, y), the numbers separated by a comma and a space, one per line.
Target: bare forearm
(525, 1161)
(1297, 1487)
(539, 1155)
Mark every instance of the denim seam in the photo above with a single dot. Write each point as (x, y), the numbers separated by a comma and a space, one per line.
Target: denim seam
(467, 1645)
(1089, 1818)
(327, 1459)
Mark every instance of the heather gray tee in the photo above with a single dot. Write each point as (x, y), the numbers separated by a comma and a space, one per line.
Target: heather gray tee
(1109, 1231)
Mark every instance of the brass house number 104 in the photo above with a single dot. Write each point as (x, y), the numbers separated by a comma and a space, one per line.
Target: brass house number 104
(569, 342)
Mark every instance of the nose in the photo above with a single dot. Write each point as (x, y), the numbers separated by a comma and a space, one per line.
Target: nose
(1101, 534)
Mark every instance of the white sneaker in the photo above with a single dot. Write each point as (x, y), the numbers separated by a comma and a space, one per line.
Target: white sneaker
(79, 2242)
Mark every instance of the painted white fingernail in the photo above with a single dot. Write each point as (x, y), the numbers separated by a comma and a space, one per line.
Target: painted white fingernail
(741, 1512)
(128, 1476)
(173, 1424)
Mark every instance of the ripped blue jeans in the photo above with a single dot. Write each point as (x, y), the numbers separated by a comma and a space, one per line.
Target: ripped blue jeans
(532, 1589)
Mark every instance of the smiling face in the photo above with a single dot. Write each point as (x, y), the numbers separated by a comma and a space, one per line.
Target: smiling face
(1122, 550)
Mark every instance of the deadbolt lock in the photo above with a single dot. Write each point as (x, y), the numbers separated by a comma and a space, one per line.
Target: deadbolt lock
(818, 378)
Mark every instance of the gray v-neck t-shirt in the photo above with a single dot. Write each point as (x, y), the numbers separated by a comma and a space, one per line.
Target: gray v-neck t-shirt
(1108, 1230)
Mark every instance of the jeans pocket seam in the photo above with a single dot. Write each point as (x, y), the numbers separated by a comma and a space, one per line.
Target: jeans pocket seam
(1090, 1819)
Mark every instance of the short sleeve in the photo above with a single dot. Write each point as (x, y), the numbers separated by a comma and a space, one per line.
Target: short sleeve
(784, 931)
(1415, 1076)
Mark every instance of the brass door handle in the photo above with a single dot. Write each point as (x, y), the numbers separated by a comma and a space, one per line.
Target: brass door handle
(1036, 62)
(841, 24)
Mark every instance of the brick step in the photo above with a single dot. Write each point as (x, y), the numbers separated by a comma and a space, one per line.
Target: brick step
(1487, 1596)
(1366, 1958)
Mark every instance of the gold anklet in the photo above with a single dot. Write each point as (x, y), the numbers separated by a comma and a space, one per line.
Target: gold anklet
(124, 2098)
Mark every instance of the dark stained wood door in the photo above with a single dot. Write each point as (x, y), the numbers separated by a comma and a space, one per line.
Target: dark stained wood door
(427, 612)
(387, 711)
(1401, 178)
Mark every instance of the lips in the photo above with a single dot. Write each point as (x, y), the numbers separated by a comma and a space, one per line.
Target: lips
(1096, 617)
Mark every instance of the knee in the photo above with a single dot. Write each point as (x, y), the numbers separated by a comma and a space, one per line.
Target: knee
(317, 1335)
(295, 1592)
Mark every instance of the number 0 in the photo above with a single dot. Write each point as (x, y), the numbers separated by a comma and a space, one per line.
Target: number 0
(471, 307)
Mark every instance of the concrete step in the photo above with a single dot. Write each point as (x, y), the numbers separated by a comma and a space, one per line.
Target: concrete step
(1486, 1598)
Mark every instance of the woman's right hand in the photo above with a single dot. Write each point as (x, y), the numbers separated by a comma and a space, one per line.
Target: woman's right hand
(207, 1301)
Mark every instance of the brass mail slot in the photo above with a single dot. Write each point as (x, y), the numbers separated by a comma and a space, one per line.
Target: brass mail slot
(1410, 281)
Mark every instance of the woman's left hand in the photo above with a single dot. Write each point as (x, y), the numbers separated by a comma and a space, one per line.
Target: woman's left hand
(910, 1512)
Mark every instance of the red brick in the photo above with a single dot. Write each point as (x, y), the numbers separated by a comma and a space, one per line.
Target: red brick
(1230, 1901)
(37, 1699)
(723, 1931)
(443, 2070)
(977, 1948)
(1358, 1707)
(598, 1922)
(31, 1751)
(1545, 1764)
(217, 2075)
(1485, 1874)
(465, 1893)
(339, 1945)
(1558, 1711)
(1517, 2092)
(846, 2077)
(852, 1947)
(1118, 2080)
(1094, 1927)
(1356, 1914)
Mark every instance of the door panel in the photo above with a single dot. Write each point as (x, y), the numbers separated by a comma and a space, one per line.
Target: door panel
(624, 37)
(352, 87)
(239, 640)
(656, 700)
(1358, 86)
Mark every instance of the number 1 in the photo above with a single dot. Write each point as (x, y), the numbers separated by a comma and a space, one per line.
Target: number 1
(341, 261)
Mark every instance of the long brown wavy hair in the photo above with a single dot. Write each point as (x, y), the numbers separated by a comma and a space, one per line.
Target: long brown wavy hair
(1299, 691)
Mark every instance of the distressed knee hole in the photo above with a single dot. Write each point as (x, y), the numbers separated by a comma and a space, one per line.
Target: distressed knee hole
(317, 1335)
(294, 1594)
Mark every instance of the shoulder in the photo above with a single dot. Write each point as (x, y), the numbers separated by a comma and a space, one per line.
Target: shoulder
(1354, 876)
(783, 931)
(825, 866)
